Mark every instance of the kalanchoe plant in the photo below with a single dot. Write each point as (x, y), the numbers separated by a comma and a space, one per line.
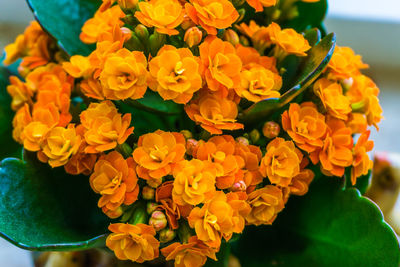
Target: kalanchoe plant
(201, 128)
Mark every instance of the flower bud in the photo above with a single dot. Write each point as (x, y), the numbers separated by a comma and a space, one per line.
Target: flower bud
(127, 4)
(187, 23)
(151, 207)
(231, 36)
(190, 145)
(187, 134)
(244, 41)
(142, 33)
(243, 140)
(271, 129)
(139, 215)
(254, 136)
(193, 36)
(154, 183)
(167, 235)
(158, 220)
(148, 193)
(239, 186)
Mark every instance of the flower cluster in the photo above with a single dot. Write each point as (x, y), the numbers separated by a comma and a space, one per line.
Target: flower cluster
(180, 192)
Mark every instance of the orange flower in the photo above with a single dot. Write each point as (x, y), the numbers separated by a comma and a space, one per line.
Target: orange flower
(124, 75)
(115, 179)
(19, 93)
(133, 242)
(361, 163)
(104, 127)
(345, 63)
(81, 162)
(265, 204)
(175, 74)
(78, 66)
(288, 40)
(194, 182)
(259, 5)
(305, 125)
(60, 144)
(192, 254)
(248, 30)
(103, 21)
(331, 95)
(363, 95)
(357, 122)
(44, 118)
(250, 58)
(217, 219)
(157, 154)
(214, 113)
(212, 15)
(21, 119)
(164, 15)
(281, 162)
(32, 46)
(258, 83)
(92, 88)
(336, 154)
(300, 183)
(221, 64)
(252, 156)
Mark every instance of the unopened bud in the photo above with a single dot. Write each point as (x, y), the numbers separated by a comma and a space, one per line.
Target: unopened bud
(239, 186)
(139, 215)
(243, 140)
(244, 41)
(142, 33)
(151, 207)
(254, 136)
(158, 220)
(127, 4)
(187, 134)
(242, 13)
(113, 214)
(191, 144)
(231, 36)
(154, 183)
(271, 129)
(167, 235)
(187, 23)
(148, 193)
(193, 36)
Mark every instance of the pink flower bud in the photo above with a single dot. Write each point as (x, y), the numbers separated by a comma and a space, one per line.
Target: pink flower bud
(239, 186)
(158, 220)
(167, 235)
(151, 207)
(231, 36)
(271, 129)
(243, 140)
(148, 193)
(193, 36)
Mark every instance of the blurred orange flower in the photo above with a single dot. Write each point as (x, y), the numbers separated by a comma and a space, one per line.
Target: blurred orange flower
(212, 15)
(281, 162)
(19, 92)
(361, 162)
(114, 178)
(221, 64)
(305, 125)
(345, 63)
(103, 21)
(191, 254)
(175, 74)
(164, 15)
(157, 154)
(194, 182)
(259, 5)
(133, 242)
(124, 75)
(104, 127)
(21, 119)
(213, 113)
(331, 95)
(265, 204)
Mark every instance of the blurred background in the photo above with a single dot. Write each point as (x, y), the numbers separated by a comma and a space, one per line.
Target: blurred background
(372, 32)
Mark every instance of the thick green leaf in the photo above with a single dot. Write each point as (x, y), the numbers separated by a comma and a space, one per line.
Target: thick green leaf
(63, 19)
(327, 227)
(153, 102)
(309, 15)
(310, 69)
(9, 148)
(46, 209)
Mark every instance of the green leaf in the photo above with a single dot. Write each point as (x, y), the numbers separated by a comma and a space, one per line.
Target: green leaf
(9, 148)
(153, 102)
(309, 70)
(46, 209)
(327, 227)
(63, 19)
(310, 15)
(313, 36)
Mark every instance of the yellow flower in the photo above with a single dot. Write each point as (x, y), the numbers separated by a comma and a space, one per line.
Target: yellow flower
(164, 15)
(345, 63)
(124, 75)
(288, 40)
(175, 74)
(19, 92)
